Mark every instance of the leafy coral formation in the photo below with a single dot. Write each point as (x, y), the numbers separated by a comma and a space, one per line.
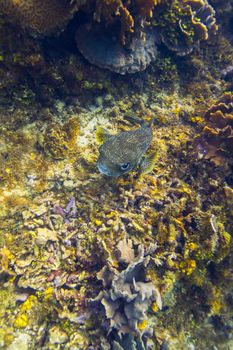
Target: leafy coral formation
(183, 24)
(127, 296)
(218, 132)
(102, 50)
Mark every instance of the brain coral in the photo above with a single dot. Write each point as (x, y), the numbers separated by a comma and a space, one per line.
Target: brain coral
(43, 16)
(218, 133)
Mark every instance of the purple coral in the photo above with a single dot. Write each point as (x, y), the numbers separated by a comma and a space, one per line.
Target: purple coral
(69, 212)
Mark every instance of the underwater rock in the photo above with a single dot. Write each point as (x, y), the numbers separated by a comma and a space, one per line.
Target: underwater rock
(102, 49)
(127, 295)
(44, 235)
(22, 341)
(227, 73)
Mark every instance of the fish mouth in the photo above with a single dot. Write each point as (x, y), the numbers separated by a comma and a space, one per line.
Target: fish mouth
(103, 169)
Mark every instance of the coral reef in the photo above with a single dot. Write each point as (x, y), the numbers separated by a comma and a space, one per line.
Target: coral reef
(218, 131)
(60, 140)
(84, 259)
(179, 25)
(129, 44)
(100, 49)
(127, 295)
(42, 16)
(183, 24)
(132, 16)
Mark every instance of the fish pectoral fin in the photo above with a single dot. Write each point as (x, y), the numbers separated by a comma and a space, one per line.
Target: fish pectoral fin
(102, 134)
(148, 163)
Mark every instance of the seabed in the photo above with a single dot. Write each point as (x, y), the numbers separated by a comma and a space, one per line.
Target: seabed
(89, 262)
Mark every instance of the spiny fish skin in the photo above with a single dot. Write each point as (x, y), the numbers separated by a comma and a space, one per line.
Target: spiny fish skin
(123, 152)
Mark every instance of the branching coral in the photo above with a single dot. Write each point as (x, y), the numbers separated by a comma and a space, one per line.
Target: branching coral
(217, 135)
(131, 15)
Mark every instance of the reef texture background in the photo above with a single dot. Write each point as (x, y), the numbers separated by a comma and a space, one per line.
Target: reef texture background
(141, 262)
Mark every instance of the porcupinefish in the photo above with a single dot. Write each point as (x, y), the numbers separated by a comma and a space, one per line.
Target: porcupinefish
(124, 152)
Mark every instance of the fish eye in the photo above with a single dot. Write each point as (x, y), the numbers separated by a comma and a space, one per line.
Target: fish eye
(124, 166)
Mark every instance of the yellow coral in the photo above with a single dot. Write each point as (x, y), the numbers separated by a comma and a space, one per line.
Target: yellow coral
(59, 139)
(142, 325)
(146, 7)
(8, 337)
(154, 307)
(5, 256)
(216, 302)
(21, 321)
(48, 293)
(188, 266)
(98, 222)
(28, 304)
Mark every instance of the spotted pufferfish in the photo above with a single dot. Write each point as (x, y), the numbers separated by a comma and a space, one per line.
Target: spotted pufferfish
(121, 153)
